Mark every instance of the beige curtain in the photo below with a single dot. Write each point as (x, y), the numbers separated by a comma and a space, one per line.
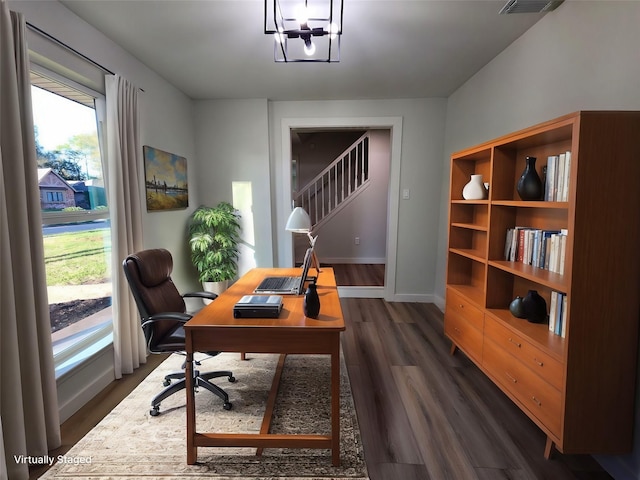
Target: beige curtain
(29, 420)
(124, 182)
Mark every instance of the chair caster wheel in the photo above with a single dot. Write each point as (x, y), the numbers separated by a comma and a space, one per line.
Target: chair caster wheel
(166, 382)
(232, 379)
(154, 412)
(227, 405)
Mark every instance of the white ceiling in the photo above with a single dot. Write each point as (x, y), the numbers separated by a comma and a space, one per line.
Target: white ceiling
(390, 48)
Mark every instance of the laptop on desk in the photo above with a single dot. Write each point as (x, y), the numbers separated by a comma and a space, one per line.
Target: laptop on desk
(284, 285)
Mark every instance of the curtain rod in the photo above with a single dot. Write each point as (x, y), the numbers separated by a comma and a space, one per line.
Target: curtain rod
(71, 49)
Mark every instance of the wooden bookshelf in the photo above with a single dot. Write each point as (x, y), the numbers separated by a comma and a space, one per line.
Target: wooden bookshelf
(578, 388)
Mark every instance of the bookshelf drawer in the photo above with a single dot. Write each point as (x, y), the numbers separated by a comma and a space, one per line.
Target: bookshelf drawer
(463, 334)
(548, 368)
(459, 305)
(538, 397)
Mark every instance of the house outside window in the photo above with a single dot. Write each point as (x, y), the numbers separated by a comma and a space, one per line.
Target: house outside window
(55, 193)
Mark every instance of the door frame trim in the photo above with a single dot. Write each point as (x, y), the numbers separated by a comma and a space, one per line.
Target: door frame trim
(394, 124)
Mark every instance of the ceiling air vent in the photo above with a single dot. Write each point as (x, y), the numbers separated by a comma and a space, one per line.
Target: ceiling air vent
(530, 6)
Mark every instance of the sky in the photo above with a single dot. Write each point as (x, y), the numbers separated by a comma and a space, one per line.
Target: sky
(58, 119)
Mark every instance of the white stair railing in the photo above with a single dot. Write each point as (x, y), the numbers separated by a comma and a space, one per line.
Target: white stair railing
(337, 184)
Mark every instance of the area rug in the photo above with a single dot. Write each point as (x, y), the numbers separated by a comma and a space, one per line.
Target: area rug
(130, 443)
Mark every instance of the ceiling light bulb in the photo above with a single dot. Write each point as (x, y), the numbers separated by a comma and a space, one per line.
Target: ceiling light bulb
(309, 48)
(302, 15)
(333, 30)
(279, 36)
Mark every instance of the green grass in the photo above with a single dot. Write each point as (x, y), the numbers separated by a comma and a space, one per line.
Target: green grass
(77, 258)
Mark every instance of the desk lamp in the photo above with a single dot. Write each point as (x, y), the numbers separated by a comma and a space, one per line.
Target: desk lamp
(299, 222)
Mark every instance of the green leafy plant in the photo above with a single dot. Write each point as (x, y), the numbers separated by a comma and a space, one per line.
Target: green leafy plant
(214, 233)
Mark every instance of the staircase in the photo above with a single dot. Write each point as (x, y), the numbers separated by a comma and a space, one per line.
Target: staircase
(338, 184)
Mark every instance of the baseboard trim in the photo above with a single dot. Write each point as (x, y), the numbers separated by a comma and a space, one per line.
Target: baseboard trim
(439, 302)
(361, 292)
(414, 298)
(379, 292)
(353, 261)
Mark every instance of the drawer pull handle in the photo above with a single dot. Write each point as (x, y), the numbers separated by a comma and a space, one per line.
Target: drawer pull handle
(456, 329)
(540, 364)
(517, 344)
(461, 306)
(514, 380)
(538, 402)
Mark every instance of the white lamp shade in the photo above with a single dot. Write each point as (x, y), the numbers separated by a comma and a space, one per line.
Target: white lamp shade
(299, 221)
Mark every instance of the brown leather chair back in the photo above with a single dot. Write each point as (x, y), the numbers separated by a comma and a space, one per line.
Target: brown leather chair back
(149, 275)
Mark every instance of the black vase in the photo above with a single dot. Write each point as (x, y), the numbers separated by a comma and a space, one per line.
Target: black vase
(535, 307)
(516, 308)
(311, 303)
(530, 186)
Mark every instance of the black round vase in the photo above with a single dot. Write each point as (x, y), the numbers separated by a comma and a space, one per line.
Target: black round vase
(516, 308)
(311, 303)
(530, 186)
(535, 307)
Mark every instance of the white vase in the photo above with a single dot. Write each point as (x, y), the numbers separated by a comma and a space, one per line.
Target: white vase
(214, 287)
(474, 190)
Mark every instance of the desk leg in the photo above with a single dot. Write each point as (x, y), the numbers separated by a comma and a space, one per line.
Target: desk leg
(192, 450)
(271, 400)
(335, 405)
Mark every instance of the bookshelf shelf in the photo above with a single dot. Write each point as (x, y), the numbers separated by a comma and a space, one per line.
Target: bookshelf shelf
(476, 255)
(530, 204)
(471, 226)
(586, 373)
(470, 202)
(549, 279)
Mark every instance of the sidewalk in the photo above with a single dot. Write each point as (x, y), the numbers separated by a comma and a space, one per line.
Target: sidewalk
(67, 293)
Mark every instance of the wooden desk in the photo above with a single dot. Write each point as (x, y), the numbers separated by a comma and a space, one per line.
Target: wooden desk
(215, 329)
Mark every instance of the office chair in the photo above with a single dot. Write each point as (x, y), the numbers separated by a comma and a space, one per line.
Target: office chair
(163, 314)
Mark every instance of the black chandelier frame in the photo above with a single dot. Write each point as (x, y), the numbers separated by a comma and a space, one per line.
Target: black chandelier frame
(275, 24)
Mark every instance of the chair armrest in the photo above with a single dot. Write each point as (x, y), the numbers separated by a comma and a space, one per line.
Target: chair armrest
(209, 295)
(174, 316)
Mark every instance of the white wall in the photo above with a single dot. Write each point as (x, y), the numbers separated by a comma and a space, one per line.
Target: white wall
(419, 169)
(582, 56)
(232, 145)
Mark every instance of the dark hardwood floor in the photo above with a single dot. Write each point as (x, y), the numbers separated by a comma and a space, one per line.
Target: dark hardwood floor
(423, 413)
(356, 274)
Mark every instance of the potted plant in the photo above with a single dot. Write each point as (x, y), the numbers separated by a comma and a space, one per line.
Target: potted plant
(213, 241)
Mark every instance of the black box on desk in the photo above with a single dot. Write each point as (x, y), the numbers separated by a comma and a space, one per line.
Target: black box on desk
(258, 306)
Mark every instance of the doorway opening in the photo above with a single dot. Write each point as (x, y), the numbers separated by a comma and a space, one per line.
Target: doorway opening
(341, 176)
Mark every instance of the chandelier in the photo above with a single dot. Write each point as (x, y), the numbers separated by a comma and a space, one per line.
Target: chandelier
(304, 30)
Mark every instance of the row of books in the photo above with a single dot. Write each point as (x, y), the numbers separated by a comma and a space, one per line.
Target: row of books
(558, 313)
(556, 187)
(544, 249)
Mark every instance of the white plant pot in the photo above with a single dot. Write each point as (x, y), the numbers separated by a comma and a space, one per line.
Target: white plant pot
(214, 287)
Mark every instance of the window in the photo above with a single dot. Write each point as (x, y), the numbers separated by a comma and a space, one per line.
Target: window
(76, 228)
(54, 197)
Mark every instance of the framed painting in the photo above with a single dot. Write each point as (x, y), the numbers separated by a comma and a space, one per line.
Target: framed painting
(165, 180)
